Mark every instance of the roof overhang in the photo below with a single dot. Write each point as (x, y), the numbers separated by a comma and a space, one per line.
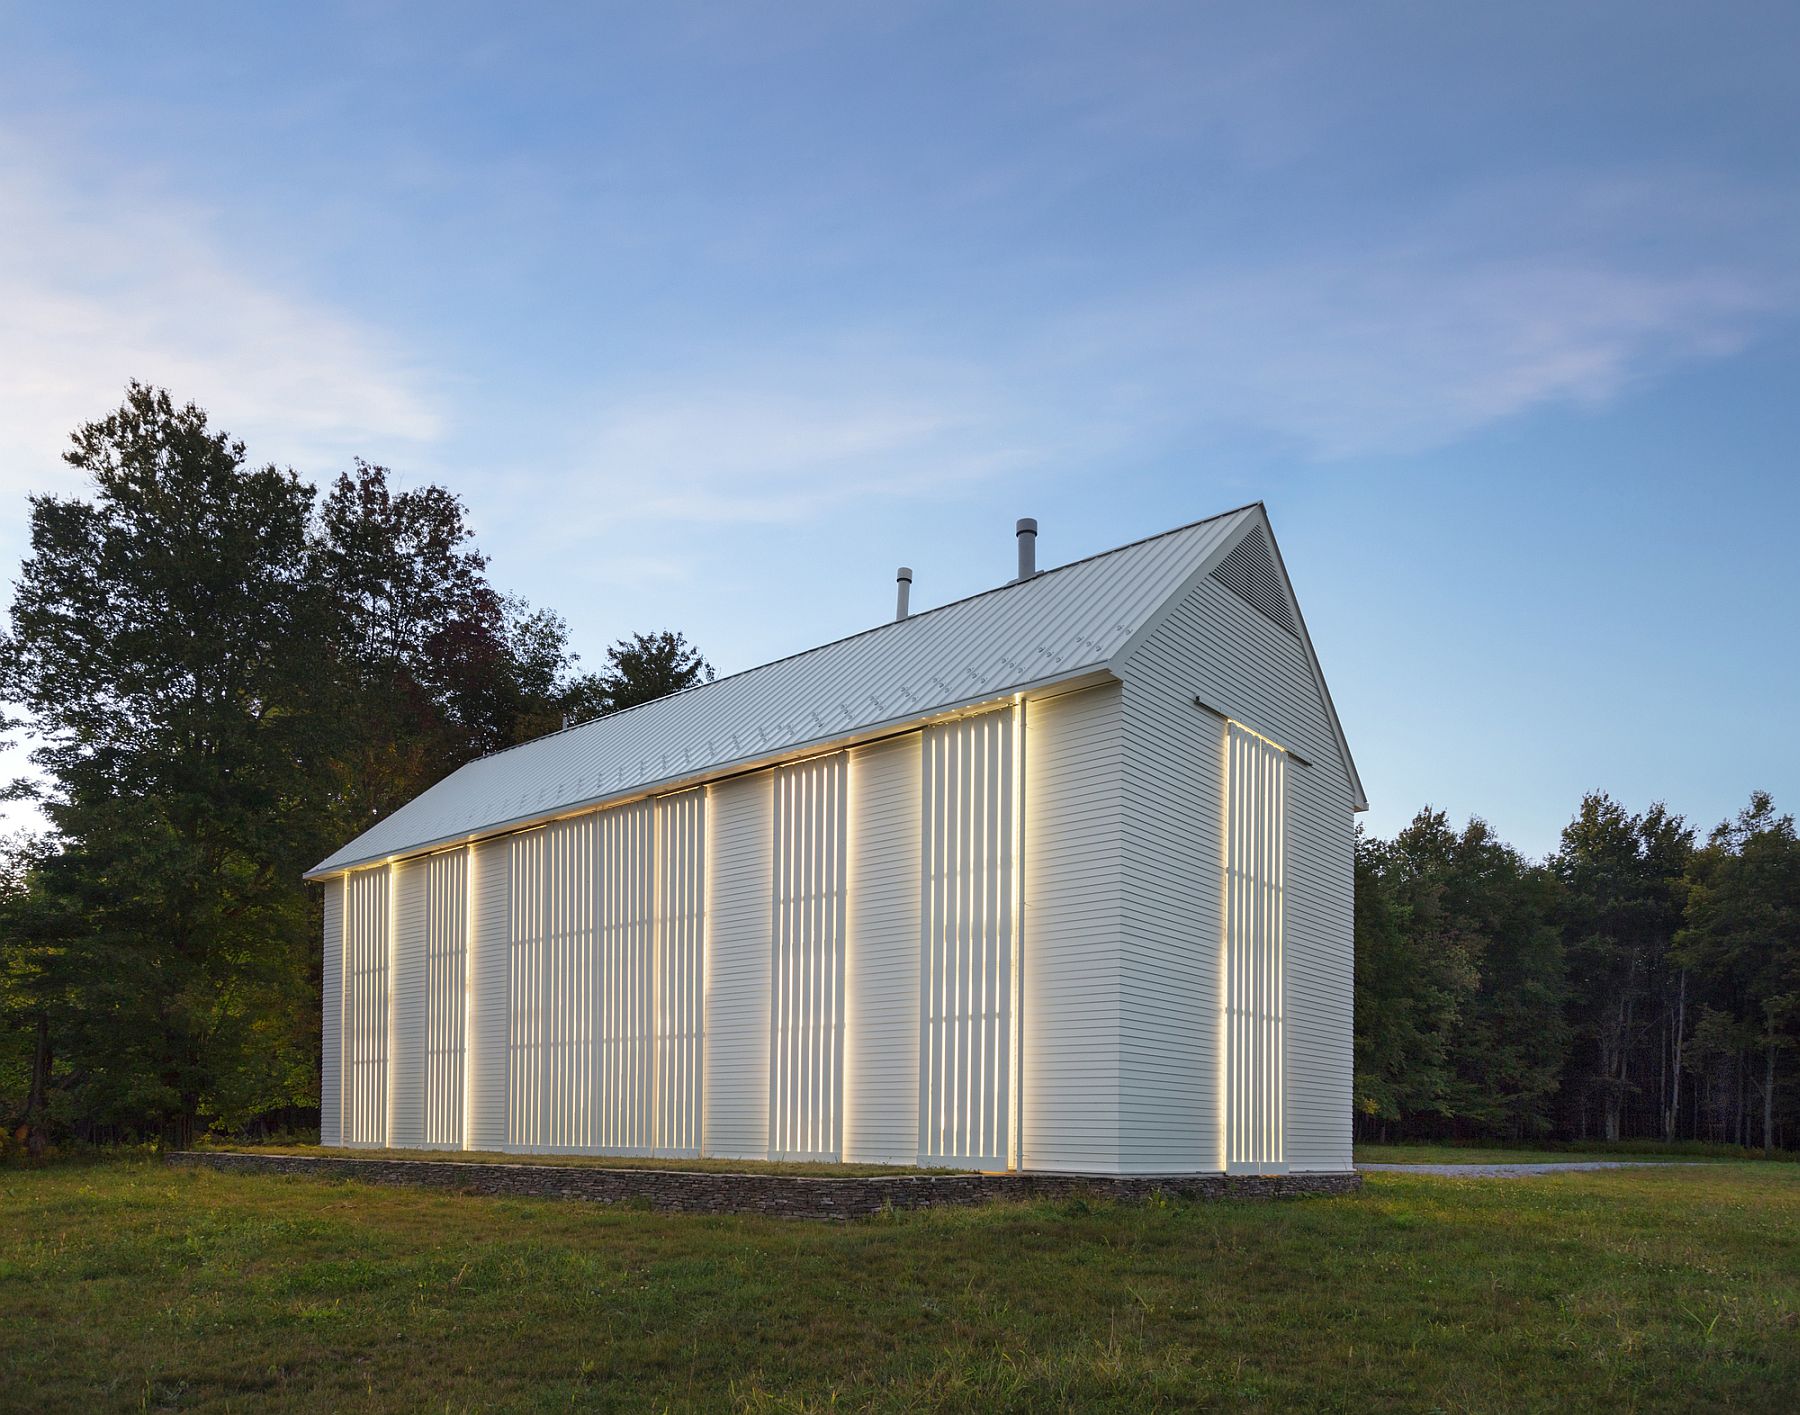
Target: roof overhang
(1050, 687)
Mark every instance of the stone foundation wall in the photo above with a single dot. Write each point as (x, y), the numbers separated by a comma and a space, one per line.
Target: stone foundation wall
(782, 1195)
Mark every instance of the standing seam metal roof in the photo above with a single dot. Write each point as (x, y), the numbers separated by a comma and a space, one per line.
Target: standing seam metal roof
(1059, 624)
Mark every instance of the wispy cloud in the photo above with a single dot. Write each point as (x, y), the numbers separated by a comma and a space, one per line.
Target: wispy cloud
(1370, 346)
(787, 445)
(103, 280)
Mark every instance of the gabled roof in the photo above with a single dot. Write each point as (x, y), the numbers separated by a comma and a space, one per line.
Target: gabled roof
(1062, 624)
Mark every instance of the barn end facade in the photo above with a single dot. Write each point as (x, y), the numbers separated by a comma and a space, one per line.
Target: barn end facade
(1056, 877)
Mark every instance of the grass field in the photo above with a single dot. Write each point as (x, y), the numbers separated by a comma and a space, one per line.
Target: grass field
(124, 1284)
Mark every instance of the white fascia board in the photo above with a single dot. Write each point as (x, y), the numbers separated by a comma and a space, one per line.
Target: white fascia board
(1050, 687)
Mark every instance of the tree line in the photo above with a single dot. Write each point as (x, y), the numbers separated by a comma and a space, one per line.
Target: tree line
(228, 673)
(1639, 983)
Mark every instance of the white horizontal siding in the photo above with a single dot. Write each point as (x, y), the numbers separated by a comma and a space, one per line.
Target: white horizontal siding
(1172, 901)
(736, 1093)
(1073, 877)
(490, 1004)
(1216, 647)
(881, 1064)
(1320, 972)
(406, 1082)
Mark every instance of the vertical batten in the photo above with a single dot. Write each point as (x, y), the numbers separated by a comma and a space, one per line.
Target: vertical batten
(807, 959)
(634, 939)
(331, 1034)
(446, 920)
(678, 1010)
(882, 978)
(524, 1110)
(367, 924)
(968, 911)
(1253, 959)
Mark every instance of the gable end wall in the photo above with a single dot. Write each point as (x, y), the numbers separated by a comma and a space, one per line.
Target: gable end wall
(1216, 647)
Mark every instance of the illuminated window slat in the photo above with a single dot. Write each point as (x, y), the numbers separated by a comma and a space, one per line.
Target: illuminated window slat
(446, 1003)
(525, 1040)
(968, 941)
(367, 944)
(623, 983)
(806, 1066)
(680, 971)
(1254, 974)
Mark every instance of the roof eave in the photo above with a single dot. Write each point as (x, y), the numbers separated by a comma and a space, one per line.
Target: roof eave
(1053, 685)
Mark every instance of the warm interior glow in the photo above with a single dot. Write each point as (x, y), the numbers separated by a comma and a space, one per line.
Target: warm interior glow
(1252, 1017)
(806, 1062)
(968, 941)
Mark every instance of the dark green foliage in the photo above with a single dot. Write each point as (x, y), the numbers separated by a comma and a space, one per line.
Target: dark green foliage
(1629, 987)
(1473, 969)
(225, 680)
(1743, 938)
(645, 667)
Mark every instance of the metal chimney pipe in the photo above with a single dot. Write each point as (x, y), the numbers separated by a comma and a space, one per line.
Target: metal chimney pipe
(902, 591)
(1027, 534)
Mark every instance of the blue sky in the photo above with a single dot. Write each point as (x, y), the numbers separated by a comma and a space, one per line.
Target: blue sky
(715, 314)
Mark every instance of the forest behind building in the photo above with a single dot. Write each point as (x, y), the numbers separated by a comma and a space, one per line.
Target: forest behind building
(225, 672)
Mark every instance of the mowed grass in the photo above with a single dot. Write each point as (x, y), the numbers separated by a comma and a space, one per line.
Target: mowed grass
(128, 1284)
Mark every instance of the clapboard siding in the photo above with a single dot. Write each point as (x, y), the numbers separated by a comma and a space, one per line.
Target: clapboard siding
(736, 1091)
(1215, 647)
(832, 940)
(489, 968)
(446, 997)
(1171, 921)
(1071, 935)
(331, 1031)
(1321, 971)
(881, 1064)
(406, 1123)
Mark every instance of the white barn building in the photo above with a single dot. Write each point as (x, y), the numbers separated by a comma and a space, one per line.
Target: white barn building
(1056, 877)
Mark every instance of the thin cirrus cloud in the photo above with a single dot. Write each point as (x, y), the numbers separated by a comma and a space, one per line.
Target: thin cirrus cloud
(725, 451)
(102, 282)
(1369, 347)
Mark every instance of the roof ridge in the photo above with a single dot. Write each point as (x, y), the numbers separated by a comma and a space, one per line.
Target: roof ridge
(863, 633)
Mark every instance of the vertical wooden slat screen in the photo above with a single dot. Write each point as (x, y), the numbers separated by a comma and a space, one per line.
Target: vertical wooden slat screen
(446, 995)
(331, 1034)
(680, 1003)
(1254, 980)
(525, 1042)
(622, 866)
(968, 921)
(367, 944)
(806, 1062)
(569, 1099)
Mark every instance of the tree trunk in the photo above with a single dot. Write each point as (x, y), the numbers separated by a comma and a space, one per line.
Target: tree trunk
(1672, 1112)
(31, 1125)
(1769, 1098)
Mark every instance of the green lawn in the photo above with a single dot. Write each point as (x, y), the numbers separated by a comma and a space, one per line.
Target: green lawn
(1414, 1153)
(124, 1283)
